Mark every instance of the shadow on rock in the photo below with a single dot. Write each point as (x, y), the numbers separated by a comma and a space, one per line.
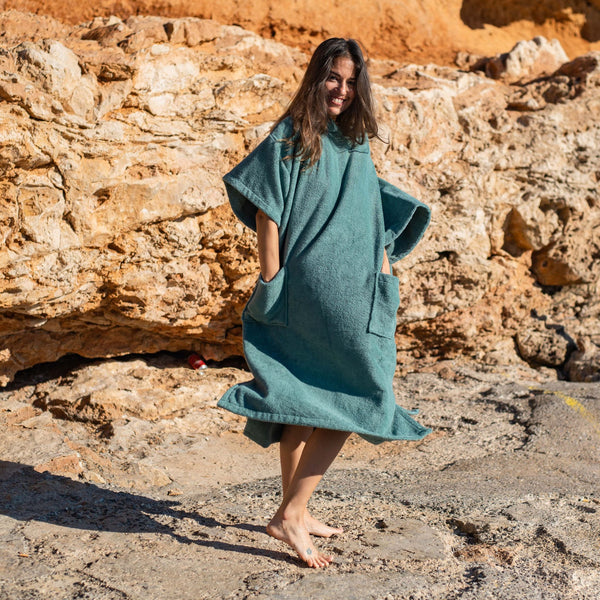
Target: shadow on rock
(27, 495)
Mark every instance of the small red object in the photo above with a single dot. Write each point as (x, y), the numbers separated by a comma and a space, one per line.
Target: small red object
(196, 362)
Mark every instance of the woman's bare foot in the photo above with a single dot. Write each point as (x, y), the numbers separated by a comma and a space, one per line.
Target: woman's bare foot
(316, 527)
(296, 535)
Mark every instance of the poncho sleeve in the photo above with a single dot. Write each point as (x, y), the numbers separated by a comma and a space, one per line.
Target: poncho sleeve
(405, 220)
(260, 181)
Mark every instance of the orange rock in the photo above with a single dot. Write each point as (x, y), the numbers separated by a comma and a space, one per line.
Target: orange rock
(62, 465)
(412, 31)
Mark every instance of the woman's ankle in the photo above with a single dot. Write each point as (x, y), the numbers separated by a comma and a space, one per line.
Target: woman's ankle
(290, 514)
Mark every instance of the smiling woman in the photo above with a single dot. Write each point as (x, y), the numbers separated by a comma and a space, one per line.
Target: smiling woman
(335, 86)
(319, 326)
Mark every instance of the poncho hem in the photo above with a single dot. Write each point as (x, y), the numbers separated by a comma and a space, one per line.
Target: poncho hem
(279, 419)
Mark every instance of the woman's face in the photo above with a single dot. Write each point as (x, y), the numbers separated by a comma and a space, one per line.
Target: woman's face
(340, 86)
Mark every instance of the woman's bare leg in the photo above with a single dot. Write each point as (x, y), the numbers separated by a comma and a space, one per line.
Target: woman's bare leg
(291, 446)
(288, 524)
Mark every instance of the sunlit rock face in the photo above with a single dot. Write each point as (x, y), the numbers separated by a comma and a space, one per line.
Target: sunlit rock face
(117, 237)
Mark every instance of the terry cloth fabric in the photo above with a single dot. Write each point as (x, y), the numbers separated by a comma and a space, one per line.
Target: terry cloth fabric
(319, 336)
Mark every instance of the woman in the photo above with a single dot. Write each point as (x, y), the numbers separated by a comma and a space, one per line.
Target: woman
(319, 327)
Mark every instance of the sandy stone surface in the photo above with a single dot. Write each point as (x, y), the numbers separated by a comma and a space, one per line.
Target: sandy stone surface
(120, 479)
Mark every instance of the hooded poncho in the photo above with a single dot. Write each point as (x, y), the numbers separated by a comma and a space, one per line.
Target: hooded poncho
(319, 336)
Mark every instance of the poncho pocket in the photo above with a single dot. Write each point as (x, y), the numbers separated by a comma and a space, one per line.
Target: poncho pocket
(268, 303)
(386, 300)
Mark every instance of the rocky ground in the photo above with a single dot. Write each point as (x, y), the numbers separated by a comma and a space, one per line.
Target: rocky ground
(120, 479)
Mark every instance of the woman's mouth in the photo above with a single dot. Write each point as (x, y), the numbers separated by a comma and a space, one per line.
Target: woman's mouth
(336, 100)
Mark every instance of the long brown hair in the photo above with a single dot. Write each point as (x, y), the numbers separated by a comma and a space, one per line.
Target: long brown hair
(308, 108)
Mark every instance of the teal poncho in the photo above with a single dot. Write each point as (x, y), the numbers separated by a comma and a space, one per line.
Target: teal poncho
(319, 336)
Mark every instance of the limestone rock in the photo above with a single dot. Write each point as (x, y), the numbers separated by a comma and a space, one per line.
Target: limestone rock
(583, 69)
(404, 538)
(549, 347)
(148, 389)
(527, 60)
(117, 237)
(584, 363)
(46, 80)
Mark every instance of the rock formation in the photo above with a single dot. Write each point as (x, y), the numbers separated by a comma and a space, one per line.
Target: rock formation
(117, 237)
